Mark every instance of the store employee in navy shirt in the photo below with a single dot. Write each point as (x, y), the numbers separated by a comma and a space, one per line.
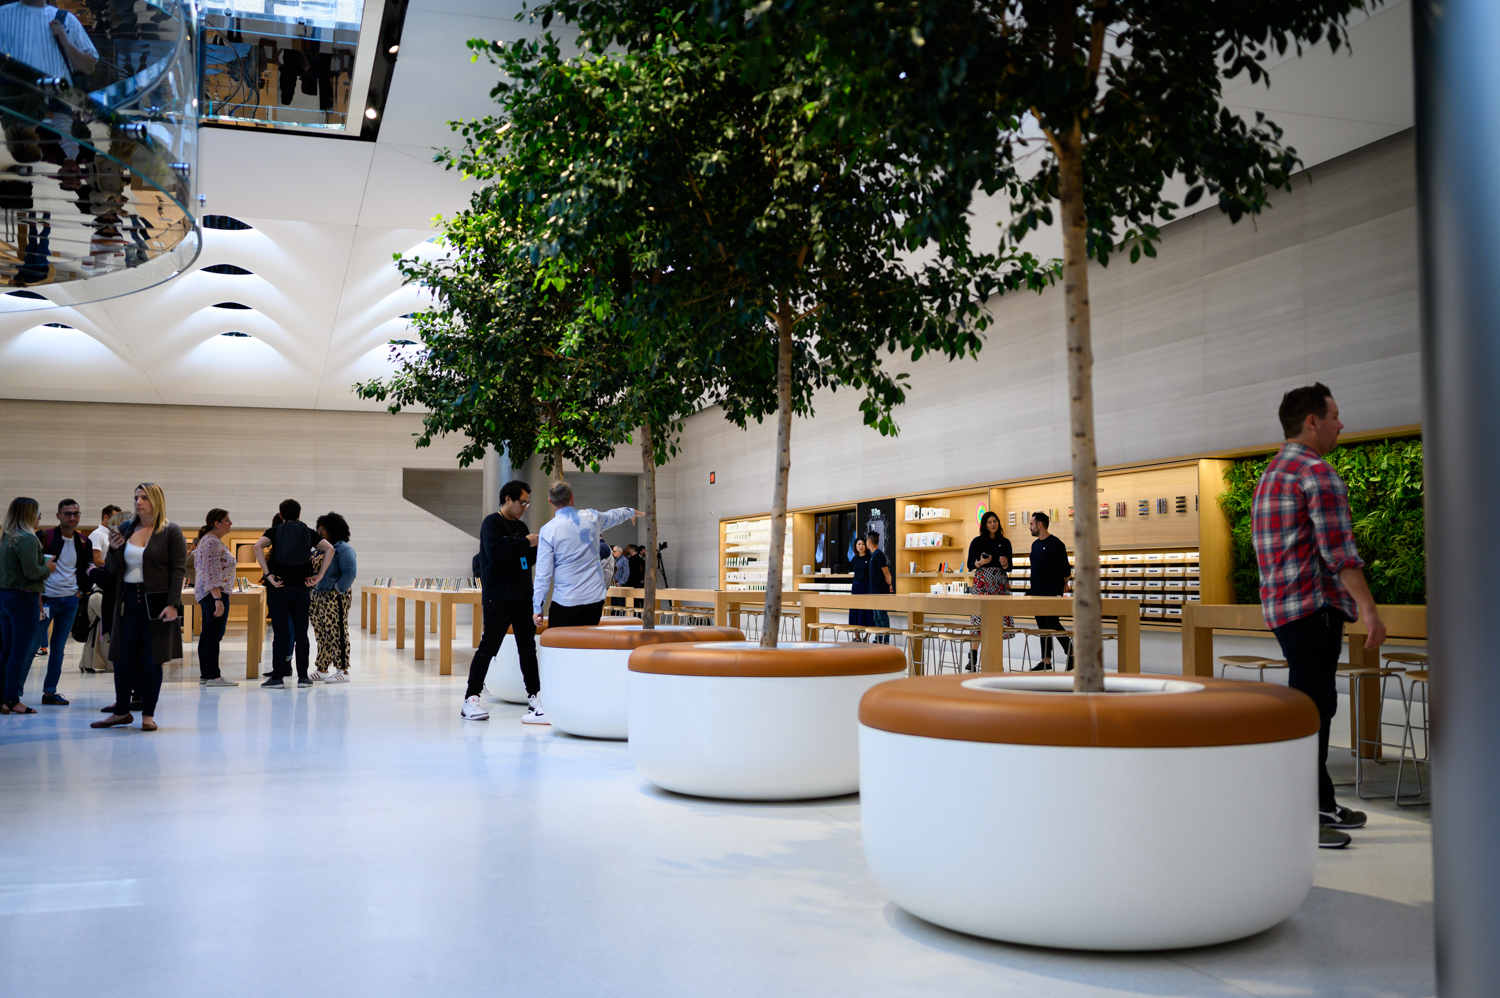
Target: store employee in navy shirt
(1049, 577)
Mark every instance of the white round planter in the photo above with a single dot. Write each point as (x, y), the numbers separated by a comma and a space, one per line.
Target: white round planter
(1091, 847)
(586, 690)
(504, 679)
(751, 737)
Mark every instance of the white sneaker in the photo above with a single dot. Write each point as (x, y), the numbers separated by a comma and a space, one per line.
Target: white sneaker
(473, 710)
(337, 676)
(534, 714)
(317, 677)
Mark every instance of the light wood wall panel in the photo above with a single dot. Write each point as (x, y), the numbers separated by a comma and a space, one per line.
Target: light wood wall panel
(243, 460)
(1193, 351)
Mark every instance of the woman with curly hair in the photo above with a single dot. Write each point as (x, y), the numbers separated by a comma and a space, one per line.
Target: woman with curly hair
(330, 602)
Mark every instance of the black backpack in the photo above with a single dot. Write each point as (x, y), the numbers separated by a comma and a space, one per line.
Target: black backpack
(291, 544)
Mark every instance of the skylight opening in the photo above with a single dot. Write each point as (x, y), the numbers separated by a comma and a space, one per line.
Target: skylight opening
(26, 294)
(231, 304)
(236, 334)
(229, 269)
(225, 223)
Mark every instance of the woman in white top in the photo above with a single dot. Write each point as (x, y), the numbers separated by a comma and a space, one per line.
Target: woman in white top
(148, 554)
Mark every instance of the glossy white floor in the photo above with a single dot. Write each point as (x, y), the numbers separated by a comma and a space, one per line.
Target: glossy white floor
(362, 839)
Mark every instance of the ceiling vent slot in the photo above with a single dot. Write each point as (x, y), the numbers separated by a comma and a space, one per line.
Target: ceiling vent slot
(224, 223)
(26, 294)
(229, 269)
(231, 304)
(236, 334)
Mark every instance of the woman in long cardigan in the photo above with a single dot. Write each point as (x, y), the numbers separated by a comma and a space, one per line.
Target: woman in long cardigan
(148, 554)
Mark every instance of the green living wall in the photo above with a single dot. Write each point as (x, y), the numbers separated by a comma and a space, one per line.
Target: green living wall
(1385, 503)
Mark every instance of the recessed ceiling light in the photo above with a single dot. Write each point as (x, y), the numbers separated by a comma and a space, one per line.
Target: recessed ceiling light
(394, 49)
(370, 113)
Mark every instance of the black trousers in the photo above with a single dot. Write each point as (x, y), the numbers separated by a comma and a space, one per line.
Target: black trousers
(136, 669)
(289, 606)
(586, 615)
(1312, 645)
(213, 633)
(500, 615)
(1054, 624)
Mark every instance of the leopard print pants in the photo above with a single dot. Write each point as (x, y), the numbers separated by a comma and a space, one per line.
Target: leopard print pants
(330, 620)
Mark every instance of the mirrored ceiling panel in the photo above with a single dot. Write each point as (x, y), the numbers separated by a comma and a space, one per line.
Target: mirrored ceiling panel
(313, 66)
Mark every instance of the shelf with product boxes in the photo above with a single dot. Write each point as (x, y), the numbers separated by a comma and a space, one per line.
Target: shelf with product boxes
(1161, 522)
(745, 547)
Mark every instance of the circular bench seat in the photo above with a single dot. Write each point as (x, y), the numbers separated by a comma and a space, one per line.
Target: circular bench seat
(505, 679)
(735, 720)
(585, 671)
(1162, 813)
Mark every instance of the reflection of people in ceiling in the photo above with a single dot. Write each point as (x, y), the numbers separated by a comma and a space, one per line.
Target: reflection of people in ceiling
(54, 43)
(36, 267)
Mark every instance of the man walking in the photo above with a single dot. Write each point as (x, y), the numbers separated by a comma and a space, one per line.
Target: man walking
(507, 552)
(1049, 577)
(61, 591)
(1312, 579)
(289, 580)
(567, 560)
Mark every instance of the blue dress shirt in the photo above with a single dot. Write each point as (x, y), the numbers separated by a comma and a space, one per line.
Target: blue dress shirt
(567, 557)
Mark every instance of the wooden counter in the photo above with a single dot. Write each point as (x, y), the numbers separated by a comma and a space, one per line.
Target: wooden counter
(254, 601)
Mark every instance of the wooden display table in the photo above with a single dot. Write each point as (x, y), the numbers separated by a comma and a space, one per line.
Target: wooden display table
(444, 601)
(1199, 620)
(698, 602)
(991, 610)
(372, 599)
(254, 601)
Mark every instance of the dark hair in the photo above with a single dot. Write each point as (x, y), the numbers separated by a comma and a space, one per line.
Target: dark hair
(514, 489)
(337, 527)
(873, 536)
(999, 529)
(277, 520)
(631, 549)
(108, 511)
(291, 509)
(211, 520)
(1046, 520)
(1299, 403)
(65, 502)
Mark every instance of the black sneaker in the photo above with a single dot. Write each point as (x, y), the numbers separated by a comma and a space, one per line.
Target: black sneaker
(1332, 838)
(304, 681)
(274, 683)
(54, 699)
(1342, 817)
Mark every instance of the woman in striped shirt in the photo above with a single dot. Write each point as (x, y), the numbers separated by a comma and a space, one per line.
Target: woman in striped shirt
(213, 568)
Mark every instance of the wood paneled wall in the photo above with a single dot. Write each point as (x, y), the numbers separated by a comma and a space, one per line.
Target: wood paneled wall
(1193, 351)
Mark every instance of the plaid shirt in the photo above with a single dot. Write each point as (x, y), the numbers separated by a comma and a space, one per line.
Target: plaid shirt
(1300, 519)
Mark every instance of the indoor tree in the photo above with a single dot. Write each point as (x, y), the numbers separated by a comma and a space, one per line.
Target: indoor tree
(702, 212)
(1099, 107)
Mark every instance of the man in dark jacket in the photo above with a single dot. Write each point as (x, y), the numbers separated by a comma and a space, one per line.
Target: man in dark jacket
(507, 552)
(75, 563)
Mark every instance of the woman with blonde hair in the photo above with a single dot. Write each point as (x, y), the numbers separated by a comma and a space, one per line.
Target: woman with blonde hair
(148, 554)
(22, 571)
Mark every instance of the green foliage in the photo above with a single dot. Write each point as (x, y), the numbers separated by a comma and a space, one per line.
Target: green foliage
(1385, 506)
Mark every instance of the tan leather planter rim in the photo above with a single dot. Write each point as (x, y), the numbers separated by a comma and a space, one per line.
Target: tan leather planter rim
(623, 639)
(708, 660)
(1223, 712)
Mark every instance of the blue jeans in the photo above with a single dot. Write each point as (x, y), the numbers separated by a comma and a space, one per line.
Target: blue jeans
(18, 622)
(61, 610)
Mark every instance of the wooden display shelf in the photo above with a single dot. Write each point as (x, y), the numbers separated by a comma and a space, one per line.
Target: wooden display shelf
(937, 549)
(932, 575)
(935, 519)
(845, 575)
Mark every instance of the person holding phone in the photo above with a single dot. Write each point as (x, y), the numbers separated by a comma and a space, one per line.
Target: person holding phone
(23, 569)
(149, 556)
(989, 560)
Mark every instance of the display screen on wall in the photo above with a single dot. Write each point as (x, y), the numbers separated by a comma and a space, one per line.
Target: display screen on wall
(879, 516)
(833, 541)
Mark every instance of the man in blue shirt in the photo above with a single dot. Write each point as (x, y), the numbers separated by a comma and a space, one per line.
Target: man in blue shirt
(567, 560)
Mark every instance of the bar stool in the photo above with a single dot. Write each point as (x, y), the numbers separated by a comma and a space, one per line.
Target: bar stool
(791, 625)
(1415, 676)
(1406, 658)
(1257, 662)
(912, 640)
(1357, 678)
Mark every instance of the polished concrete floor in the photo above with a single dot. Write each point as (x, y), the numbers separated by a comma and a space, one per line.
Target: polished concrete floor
(363, 840)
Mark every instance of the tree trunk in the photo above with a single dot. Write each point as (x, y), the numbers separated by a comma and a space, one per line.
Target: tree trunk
(557, 466)
(772, 616)
(648, 466)
(1088, 640)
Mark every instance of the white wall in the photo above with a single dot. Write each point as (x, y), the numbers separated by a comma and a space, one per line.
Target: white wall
(244, 460)
(1192, 350)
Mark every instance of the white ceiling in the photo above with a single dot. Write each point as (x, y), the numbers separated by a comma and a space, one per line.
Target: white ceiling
(328, 215)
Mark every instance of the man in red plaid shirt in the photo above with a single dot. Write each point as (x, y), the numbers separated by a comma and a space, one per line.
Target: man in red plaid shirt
(1312, 580)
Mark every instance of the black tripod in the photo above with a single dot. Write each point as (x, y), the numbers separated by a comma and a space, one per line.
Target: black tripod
(661, 566)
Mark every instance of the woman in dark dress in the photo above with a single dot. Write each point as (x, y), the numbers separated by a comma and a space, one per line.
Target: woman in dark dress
(989, 560)
(860, 566)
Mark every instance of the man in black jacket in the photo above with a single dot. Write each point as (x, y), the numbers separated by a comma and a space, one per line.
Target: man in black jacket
(1050, 570)
(507, 552)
